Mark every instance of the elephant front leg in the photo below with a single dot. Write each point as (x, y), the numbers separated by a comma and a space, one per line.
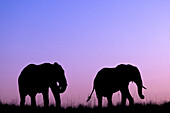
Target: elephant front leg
(126, 94)
(131, 101)
(56, 94)
(109, 99)
(45, 98)
(58, 100)
(123, 102)
(33, 101)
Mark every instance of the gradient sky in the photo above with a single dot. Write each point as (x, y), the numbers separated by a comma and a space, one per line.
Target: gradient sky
(85, 36)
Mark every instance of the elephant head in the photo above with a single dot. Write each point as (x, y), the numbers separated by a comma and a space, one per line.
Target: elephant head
(60, 78)
(133, 75)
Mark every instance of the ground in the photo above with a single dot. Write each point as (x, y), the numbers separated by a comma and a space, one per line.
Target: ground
(137, 108)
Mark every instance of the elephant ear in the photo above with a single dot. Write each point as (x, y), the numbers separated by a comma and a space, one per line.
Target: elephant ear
(125, 71)
(122, 68)
(55, 70)
(56, 66)
(58, 69)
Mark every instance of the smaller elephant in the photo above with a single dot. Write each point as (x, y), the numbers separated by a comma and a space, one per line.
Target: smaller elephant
(38, 78)
(111, 80)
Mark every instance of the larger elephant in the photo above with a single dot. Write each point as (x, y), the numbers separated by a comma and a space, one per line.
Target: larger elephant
(38, 79)
(111, 80)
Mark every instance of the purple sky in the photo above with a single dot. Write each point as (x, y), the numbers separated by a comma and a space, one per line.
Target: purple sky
(85, 36)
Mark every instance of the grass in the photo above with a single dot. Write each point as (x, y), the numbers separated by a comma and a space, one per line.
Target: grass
(137, 108)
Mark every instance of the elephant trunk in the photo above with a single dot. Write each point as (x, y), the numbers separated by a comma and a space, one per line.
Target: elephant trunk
(63, 86)
(140, 92)
(140, 86)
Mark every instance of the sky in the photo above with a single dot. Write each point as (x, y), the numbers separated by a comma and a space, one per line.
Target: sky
(85, 36)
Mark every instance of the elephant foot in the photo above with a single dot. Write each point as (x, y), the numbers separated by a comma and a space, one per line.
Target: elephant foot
(58, 106)
(110, 106)
(123, 104)
(22, 105)
(99, 106)
(131, 103)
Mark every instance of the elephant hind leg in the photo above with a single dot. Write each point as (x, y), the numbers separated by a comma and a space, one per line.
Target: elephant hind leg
(22, 99)
(109, 99)
(99, 98)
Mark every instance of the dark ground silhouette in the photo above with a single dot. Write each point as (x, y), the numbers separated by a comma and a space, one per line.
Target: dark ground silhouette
(111, 80)
(38, 78)
(136, 108)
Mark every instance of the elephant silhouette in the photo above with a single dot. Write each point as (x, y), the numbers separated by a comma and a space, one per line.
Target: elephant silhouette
(38, 78)
(111, 80)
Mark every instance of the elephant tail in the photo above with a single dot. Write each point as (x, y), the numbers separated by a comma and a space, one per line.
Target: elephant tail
(90, 95)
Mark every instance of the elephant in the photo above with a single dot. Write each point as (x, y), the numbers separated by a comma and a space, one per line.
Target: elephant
(38, 79)
(111, 80)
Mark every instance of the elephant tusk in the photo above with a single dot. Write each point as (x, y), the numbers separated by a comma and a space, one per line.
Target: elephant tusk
(144, 87)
